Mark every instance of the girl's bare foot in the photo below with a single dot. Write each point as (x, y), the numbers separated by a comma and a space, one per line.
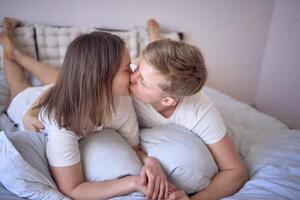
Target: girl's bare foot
(153, 30)
(8, 45)
(6, 37)
(9, 24)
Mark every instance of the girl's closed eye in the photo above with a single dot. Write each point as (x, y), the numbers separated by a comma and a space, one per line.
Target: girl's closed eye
(128, 69)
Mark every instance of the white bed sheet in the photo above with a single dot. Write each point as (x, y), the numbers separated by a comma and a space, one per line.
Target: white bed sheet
(270, 150)
(245, 124)
(274, 167)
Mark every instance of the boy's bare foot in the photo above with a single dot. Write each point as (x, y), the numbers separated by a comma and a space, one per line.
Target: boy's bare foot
(153, 30)
(8, 46)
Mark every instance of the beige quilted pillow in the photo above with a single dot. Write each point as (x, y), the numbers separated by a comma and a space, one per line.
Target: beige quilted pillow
(143, 39)
(52, 42)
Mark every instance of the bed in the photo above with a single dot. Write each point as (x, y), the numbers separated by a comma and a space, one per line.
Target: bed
(268, 147)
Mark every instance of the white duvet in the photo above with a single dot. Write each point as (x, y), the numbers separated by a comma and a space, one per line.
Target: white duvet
(270, 150)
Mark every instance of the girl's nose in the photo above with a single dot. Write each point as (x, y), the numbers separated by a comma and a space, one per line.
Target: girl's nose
(133, 77)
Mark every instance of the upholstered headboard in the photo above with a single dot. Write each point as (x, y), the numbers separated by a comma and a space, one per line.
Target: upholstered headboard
(48, 43)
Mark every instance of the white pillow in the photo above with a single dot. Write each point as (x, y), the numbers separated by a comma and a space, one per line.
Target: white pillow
(24, 169)
(184, 157)
(106, 155)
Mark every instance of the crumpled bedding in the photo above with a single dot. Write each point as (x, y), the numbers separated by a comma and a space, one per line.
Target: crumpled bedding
(270, 150)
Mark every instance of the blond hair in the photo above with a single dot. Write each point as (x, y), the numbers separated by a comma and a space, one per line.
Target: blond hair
(182, 64)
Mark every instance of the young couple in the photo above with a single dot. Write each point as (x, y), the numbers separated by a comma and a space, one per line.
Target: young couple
(92, 91)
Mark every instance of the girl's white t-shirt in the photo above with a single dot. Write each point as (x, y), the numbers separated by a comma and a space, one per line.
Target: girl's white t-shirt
(63, 147)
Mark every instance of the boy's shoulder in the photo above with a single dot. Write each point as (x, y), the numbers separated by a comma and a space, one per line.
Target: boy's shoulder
(197, 100)
(195, 106)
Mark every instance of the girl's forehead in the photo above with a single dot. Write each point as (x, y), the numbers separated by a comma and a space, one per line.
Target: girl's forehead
(125, 58)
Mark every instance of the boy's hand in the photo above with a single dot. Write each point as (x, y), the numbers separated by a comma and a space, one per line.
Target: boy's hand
(155, 177)
(31, 121)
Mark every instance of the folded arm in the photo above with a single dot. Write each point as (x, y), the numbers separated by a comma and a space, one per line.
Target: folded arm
(232, 172)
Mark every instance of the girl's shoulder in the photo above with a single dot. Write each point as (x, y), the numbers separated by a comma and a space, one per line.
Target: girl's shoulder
(123, 107)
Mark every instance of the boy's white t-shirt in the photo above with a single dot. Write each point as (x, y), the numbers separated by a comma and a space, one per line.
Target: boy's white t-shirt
(197, 113)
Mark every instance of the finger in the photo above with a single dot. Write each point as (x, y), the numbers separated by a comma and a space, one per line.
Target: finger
(35, 129)
(156, 187)
(39, 124)
(143, 176)
(32, 128)
(162, 190)
(151, 185)
(166, 189)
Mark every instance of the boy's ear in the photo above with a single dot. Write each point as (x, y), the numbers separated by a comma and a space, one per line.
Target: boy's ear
(168, 101)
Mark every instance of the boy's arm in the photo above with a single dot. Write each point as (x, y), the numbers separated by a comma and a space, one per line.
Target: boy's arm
(232, 172)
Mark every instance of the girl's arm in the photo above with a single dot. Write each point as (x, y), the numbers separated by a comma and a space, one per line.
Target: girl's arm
(232, 172)
(71, 182)
(30, 119)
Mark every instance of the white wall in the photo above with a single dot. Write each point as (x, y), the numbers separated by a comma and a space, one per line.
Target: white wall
(278, 92)
(232, 34)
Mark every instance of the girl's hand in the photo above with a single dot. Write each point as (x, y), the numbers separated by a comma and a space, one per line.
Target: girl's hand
(153, 174)
(139, 185)
(31, 121)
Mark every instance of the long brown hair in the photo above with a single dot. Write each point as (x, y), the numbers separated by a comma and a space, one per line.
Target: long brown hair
(81, 99)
